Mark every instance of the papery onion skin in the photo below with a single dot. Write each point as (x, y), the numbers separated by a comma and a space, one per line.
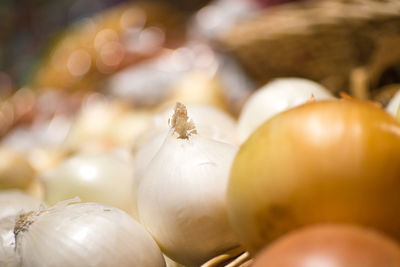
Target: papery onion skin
(181, 199)
(331, 246)
(87, 234)
(103, 178)
(275, 97)
(328, 161)
(210, 122)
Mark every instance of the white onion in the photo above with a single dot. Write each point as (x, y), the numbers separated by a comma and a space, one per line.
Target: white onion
(210, 122)
(181, 198)
(87, 234)
(13, 202)
(275, 97)
(394, 104)
(144, 156)
(104, 178)
(7, 242)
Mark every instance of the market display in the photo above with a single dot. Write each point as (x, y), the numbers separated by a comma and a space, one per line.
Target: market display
(226, 133)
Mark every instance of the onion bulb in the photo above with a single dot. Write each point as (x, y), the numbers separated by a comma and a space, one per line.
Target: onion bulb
(327, 161)
(104, 178)
(86, 234)
(15, 170)
(275, 97)
(331, 246)
(394, 104)
(13, 202)
(181, 198)
(210, 122)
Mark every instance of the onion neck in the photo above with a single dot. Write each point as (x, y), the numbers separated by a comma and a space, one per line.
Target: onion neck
(180, 122)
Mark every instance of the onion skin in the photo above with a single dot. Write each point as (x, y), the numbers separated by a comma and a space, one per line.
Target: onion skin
(327, 161)
(333, 246)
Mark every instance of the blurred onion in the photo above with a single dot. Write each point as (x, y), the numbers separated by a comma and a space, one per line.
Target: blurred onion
(275, 97)
(104, 178)
(15, 170)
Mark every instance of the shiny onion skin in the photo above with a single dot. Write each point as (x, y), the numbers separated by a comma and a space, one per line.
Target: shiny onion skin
(331, 246)
(327, 161)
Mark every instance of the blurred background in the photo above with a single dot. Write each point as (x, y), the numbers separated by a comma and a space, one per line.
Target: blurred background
(145, 51)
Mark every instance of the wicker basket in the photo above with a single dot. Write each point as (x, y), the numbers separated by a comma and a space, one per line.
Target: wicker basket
(347, 45)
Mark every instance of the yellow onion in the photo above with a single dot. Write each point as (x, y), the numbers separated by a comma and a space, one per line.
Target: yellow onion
(15, 170)
(330, 245)
(327, 161)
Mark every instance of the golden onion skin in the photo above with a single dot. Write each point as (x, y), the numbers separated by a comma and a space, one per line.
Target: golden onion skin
(327, 161)
(331, 245)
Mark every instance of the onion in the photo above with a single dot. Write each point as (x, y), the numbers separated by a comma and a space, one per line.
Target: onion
(12, 204)
(15, 170)
(275, 97)
(210, 122)
(327, 161)
(331, 246)
(144, 156)
(86, 234)
(181, 198)
(104, 178)
(7, 242)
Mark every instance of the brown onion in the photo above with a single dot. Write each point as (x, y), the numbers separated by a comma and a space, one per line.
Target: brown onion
(328, 161)
(331, 246)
